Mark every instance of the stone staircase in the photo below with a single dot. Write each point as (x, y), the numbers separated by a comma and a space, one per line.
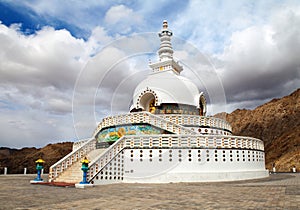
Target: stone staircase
(73, 174)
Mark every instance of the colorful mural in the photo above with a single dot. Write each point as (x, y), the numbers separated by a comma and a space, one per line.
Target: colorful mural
(113, 134)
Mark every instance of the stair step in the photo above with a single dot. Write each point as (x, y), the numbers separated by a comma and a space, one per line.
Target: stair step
(73, 173)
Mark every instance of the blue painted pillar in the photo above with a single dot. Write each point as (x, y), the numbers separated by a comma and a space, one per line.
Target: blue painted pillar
(39, 167)
(85, 168)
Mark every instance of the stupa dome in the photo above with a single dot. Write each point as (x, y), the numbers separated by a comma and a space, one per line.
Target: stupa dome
(166, 88)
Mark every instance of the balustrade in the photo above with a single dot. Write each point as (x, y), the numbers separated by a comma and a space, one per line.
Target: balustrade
(143, 117)
(172, 141)
(76, 155)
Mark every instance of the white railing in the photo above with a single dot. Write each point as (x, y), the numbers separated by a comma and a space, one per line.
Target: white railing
(194, 141)
(79, 143)
(105, 158)
(167, 125)
(74, 156)
(143, 117)
(197, 121)
(170, 142)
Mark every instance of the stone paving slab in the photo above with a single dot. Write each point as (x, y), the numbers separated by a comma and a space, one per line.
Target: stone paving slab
(279, 191)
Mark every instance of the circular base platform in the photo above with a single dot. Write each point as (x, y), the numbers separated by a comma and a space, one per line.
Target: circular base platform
(200, 177)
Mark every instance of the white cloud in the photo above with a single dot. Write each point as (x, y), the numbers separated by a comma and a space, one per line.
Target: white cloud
(21, 128)
(98, 83)
(37, 59)
(96, 41)
(38, 74)
(117, 13)
(209, 24)
(82, 15)
(121, 19)
(261, 62)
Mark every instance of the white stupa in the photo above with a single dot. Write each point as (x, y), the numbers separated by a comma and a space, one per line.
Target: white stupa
(165, 137)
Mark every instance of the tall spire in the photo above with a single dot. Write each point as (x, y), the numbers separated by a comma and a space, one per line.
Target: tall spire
(165, 51)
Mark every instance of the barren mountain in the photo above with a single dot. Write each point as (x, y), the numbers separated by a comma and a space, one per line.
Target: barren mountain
(277, 123)
(17, 159)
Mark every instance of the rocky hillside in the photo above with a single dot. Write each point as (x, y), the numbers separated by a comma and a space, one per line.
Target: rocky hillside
(18, 159)
(277, 123)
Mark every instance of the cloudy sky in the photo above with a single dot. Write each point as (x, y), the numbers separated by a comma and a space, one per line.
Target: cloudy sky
(64, 65)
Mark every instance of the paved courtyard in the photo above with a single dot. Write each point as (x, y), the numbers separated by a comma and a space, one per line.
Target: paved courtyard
(279, 191)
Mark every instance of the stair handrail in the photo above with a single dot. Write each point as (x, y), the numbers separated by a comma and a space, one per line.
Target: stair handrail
(57, 168)
(189, 131)
(114, 147)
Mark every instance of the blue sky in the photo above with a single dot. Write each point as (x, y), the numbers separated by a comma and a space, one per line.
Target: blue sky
(55, 55)
(80, 18)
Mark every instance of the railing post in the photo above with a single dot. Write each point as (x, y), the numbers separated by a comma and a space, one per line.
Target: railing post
(5, 170)
(25, 171)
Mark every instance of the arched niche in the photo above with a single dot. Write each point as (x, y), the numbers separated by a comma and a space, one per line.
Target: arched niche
(202, 105)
